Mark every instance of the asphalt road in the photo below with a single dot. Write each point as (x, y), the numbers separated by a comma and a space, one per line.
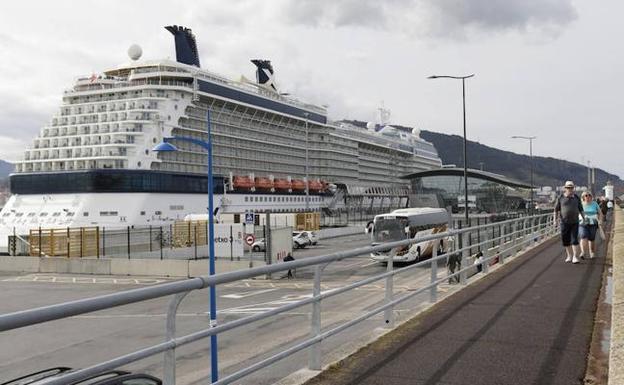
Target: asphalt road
(88, 339)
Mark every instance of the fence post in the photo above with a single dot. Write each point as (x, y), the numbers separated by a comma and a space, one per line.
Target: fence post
(51, 243)
(40, 242)
(501, 244)
(81, 242)
(103, 241)
(485, 266)
(160, 242)
(68, 243)
(150, 238)
(389, 313)
(169, 364)
(314, 361)
(97, 241)
(128, 240)
(194, 238)
(465, 254)
(14, 243)
(433, 291)
(171, 235)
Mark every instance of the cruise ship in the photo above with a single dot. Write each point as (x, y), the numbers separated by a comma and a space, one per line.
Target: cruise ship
(93, 163)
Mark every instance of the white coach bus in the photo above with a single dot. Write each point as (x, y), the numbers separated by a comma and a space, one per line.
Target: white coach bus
(413, 223)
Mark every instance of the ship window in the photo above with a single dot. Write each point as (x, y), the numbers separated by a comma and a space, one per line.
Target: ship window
(176, 207)
(142, 212)
(246, 199)
(158, 212)
(146, 152)
(85, 214)
(108, 213)
(19, 214)
(29, 214)
(41, 215)
(70, 214)
(6, 214)
(56, 214)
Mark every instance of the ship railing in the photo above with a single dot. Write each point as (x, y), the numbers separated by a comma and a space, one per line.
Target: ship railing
(495, 243)
(134, 83)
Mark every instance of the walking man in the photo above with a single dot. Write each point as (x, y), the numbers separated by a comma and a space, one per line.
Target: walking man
(567, 211)
(289, 258)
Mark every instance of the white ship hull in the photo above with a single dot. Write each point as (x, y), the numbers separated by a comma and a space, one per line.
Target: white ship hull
(23, 213)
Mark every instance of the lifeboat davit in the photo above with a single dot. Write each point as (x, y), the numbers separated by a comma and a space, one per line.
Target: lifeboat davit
(263, 183)
(243, 183)
(298, 185)
(282, 184)
(316, 186)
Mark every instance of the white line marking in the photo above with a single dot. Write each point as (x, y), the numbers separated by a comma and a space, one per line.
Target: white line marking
(370, 264)
(246, 294)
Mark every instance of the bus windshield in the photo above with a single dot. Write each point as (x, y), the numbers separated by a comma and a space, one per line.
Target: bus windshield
(389, 229)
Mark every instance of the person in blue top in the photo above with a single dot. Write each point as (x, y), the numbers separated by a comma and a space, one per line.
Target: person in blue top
(588, 227)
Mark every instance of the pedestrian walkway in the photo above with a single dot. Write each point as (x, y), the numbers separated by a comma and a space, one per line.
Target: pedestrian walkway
(529, 322)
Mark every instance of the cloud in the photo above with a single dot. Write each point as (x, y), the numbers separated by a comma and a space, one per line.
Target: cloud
(435, 18)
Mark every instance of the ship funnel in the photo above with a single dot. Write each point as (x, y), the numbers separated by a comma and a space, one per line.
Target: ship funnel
(186, 47)
(264, 73)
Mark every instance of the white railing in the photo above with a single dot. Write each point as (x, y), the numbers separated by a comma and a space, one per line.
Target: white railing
(512, 236)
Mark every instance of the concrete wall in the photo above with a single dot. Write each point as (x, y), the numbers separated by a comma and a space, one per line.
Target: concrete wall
(616, 354)
(119, 266)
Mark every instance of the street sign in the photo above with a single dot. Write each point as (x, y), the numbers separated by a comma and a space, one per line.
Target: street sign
(249, 218)
(250, 239)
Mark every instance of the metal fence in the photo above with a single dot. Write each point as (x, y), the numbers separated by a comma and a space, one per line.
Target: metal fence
(497, 242)
(179, 240)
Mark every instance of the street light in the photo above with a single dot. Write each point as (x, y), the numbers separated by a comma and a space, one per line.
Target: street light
(307, 189)
(530, 139)
(463, 79)
(166, 146)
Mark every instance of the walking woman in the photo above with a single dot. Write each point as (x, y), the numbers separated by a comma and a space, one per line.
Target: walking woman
(588, 227)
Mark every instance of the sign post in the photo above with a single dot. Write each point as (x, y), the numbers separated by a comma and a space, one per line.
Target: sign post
(249, 240)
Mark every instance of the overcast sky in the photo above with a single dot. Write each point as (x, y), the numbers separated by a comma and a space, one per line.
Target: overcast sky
(549, 68)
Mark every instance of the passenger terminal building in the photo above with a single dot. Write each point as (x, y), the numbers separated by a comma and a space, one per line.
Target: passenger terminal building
(487, 192)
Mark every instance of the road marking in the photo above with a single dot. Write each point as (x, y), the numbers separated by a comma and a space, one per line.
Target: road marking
(246, 294)
(370, 264)
(85, 280)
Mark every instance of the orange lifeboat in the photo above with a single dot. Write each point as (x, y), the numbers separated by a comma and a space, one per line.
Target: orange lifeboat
(298, 185)
(316, 186)
(282, 184)
(243, 183)
(264, 183)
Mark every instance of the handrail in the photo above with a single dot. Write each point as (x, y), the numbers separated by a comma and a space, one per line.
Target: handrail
(524, 230)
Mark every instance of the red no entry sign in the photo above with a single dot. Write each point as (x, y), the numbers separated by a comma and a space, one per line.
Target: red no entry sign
(250, 239)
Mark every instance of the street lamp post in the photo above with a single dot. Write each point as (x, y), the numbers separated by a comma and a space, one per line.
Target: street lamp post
(307, 189)
(463, 79)
(530, 139)
(166, 146)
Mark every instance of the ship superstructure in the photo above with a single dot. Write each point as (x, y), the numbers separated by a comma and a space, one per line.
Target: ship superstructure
(93, 163)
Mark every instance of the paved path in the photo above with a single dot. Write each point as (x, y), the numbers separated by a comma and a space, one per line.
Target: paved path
(529, 322)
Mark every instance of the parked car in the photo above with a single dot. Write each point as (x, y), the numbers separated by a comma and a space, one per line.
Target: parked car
(312, 236)
(258, 245)
(113, 377)
(300, 240)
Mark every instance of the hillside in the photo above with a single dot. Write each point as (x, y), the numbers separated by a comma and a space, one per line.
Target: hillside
(5, 169)
(547, 171)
